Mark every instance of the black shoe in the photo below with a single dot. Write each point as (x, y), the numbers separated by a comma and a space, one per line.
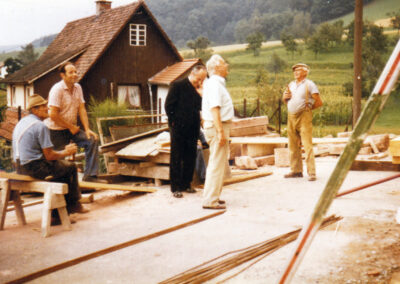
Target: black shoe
(177, 194)
(293, 175)
(77, 208)
(190, 190)
(94, 179)
(55, 221)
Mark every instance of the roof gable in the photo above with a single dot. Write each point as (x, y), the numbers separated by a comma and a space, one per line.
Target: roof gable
(171, 73)
(93, 35)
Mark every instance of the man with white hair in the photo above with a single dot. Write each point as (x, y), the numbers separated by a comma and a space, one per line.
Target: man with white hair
(217, 112)
(300, 96)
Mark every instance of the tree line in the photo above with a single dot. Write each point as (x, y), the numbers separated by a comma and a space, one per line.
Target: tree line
(228, 21)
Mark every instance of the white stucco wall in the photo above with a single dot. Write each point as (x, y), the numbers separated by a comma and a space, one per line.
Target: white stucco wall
(17, 95)
(162, 93)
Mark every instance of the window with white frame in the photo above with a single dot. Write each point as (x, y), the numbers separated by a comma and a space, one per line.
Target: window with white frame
(129, 95)
(137, 35)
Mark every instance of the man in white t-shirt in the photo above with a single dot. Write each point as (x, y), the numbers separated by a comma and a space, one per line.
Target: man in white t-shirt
(217, 113)
(300, 96)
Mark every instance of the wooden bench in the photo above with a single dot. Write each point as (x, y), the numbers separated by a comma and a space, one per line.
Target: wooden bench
(11, 184)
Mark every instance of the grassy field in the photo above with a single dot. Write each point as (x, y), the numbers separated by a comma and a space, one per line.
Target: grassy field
(329, 71)
(374, 11)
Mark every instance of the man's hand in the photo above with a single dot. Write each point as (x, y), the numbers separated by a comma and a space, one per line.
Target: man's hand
(90, 133)
(221, 138)
(286, 96)
(70, 149)
(74, 129)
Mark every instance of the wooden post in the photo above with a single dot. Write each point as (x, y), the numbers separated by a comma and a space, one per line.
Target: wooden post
(244, 108)
(258, 107)
(159, 110)
(358, 26)
(368, 116)
(279, 116)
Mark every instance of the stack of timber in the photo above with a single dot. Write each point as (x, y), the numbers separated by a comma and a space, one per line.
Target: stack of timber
(249, 126)
(147, 157)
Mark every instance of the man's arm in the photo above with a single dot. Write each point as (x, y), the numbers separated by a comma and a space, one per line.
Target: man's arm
(52, 155)
(171, 102)
(85, 122)
(56, 117)
(215, 111)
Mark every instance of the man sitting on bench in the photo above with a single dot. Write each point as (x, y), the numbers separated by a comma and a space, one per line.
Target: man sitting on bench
(33, 152)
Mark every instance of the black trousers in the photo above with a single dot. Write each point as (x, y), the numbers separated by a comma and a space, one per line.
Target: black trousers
(62, 171)
(182, 159)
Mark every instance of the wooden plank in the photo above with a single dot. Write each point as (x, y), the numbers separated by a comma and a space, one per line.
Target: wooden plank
(368, 165)
(95, 185)
(15, 176)
(244, 177)
(282, 140)
(139, 149)
(117, 145)
(246, 131)
(134, 169)
(249, 122)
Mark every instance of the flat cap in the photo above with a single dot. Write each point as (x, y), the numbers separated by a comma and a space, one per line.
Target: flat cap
(35, 100)
(300, 65)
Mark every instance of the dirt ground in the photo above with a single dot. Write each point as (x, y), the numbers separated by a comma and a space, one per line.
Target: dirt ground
(364, 247)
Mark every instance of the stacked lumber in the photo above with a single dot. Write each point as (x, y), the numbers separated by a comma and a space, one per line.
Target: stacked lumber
(249, 126)
(394, 150)
(147, 157)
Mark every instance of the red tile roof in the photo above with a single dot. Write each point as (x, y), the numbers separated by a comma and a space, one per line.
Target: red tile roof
(88, 37)
(171, 73)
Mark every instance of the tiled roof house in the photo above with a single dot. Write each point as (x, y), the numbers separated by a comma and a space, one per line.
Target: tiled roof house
(115, 51)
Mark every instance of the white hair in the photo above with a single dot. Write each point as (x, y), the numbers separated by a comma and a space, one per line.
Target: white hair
(213, 62)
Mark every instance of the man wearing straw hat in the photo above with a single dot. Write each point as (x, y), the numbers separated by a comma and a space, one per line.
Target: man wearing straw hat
(33, 152)
(300, 96)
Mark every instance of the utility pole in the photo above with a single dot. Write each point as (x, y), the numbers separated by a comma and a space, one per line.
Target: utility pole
(358, 25)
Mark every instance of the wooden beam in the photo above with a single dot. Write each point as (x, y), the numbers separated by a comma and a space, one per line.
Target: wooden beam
(96, 185)
(116, 145)
(243, 177)
(110, 249)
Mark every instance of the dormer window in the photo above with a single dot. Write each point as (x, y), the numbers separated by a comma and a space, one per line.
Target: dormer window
(137, 35)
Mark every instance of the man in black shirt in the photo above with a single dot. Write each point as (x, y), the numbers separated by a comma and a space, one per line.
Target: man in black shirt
(183, 106)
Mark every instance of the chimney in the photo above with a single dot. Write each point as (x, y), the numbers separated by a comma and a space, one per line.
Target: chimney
(101, 6)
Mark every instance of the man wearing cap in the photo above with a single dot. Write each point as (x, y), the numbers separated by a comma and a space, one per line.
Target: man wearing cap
(300, 95)
(33, 152)
(66, 102)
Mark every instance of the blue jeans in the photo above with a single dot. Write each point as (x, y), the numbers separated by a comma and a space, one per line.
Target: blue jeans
(61, 138)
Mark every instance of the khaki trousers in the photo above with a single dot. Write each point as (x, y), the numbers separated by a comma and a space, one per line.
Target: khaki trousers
(216, 165)
(300, 132)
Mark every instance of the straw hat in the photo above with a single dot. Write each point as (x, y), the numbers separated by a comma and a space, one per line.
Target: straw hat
(35, 100)
(302, 66)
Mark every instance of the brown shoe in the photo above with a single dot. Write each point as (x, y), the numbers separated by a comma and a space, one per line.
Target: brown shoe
(221, 201)
(77, 208)
(293, 175)
(217, 207)
(312, 178)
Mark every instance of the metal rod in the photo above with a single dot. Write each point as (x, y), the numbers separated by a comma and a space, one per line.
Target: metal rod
(367, 185)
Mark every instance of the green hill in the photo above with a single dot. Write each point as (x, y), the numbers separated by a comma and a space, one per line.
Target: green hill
(374, 11)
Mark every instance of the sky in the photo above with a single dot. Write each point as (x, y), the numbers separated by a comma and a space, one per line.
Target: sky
(22, 21)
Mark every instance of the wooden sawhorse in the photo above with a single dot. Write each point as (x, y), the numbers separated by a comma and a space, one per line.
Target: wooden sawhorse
(12, 184)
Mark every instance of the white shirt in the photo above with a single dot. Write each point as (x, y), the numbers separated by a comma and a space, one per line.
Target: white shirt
(215, 94)
(298, 101)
